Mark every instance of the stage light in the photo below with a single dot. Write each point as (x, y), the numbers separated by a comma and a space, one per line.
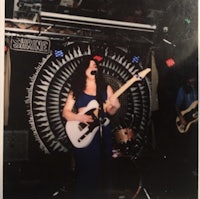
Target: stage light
(187, 20)
(58, 53)
(170, 62)
(165, 29)
(136, 59)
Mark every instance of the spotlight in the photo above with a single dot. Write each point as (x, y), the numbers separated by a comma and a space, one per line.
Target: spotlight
(136, 59)
(170, 62)
(165, 29)
(58, 53)
(187, 20)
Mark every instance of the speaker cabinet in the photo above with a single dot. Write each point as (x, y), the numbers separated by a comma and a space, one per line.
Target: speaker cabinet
(15, 145)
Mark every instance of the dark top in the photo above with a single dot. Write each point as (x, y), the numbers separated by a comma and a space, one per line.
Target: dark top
(91, 159)
(185, 99)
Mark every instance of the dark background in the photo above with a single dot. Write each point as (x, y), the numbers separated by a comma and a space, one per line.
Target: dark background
(29, 173)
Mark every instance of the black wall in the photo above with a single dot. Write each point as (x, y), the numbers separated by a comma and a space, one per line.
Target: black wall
(22, 68)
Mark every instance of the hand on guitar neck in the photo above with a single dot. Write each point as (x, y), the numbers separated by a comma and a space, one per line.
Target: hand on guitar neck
(112, 105)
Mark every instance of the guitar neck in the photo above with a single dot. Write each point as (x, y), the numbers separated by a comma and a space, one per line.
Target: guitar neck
(124, 87)
(135, 78)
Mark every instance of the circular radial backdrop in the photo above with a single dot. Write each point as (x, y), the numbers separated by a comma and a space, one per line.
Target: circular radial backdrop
(50, 85)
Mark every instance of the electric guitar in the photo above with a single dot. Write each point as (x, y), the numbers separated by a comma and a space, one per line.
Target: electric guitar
(81, 134)
(190, 115)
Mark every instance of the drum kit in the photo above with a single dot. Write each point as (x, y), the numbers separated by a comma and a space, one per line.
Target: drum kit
(126, 184)
(124, 142)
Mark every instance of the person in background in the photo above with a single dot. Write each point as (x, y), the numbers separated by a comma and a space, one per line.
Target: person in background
(88, 84)
(186, 109)
(187, 94)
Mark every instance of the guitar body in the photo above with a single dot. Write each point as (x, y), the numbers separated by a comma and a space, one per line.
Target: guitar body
(191, 115)
(81, 134)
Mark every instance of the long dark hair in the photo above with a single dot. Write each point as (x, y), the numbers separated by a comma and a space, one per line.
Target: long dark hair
(78, 79)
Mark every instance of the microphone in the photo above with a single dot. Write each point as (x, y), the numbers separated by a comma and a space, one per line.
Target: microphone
(94, 72)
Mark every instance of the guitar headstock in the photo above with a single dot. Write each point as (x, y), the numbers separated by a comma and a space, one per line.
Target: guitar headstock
(142, 74)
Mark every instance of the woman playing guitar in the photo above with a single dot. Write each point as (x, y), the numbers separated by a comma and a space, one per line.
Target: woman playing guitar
(89, 85)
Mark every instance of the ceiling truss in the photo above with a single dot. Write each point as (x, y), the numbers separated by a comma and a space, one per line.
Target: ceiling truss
(61, 26)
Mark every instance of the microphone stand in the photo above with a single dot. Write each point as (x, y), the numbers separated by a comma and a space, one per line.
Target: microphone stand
(101, 115)
(100, 101)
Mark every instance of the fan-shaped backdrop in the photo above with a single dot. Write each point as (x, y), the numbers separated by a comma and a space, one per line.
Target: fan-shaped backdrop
(50, 85)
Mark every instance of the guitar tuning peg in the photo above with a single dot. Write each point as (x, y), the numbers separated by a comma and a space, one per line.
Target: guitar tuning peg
(138, 76)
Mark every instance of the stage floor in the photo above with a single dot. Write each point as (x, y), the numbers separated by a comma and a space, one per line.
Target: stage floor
(155, 175)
